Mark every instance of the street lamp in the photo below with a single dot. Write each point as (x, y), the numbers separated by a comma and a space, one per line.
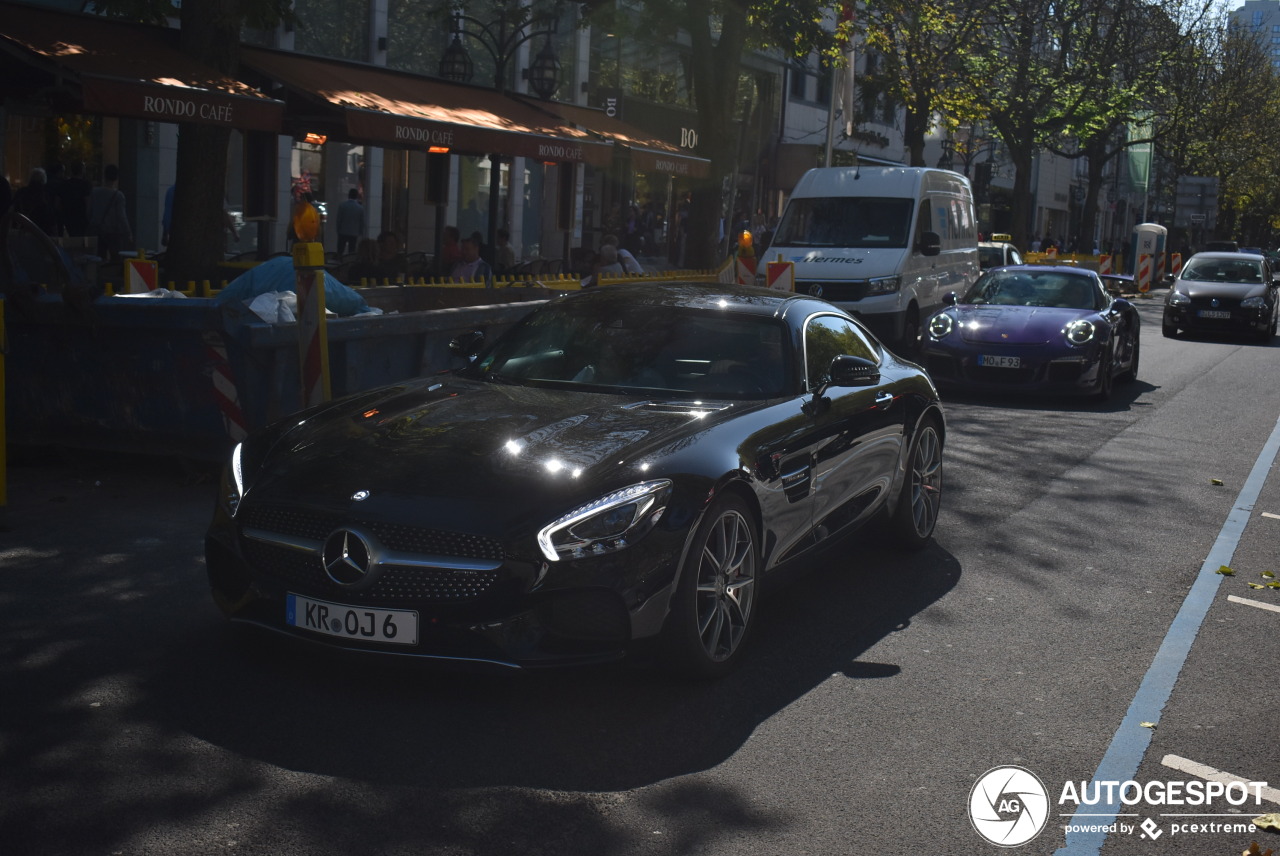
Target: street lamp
(500, 39)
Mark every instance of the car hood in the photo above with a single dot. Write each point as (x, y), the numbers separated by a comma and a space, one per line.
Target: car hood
(458, 450)
(1014, 325)
(1221, 290)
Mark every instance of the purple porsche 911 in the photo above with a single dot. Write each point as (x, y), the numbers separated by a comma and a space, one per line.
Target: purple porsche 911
(1034, 328)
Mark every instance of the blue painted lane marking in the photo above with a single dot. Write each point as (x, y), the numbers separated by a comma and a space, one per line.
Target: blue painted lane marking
(1129, 743)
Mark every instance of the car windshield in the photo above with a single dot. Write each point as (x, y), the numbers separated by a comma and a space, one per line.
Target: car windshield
(990, 256)
(1223, 270)
(859, 222)
(1034, 288)
(614, 347)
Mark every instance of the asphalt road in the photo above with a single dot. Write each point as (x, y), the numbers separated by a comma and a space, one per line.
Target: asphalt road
(881, 688)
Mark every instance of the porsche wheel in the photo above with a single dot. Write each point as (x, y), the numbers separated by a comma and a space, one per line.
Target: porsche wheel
(1130, 374)
(1106, 377)
(715, 604)
(921, 497)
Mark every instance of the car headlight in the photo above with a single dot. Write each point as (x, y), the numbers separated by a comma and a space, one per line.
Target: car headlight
(611, 523)
(883, 285)
(1254, 303)
(1080, 332)
(232, 488)
(1177, 298)
(940, 326)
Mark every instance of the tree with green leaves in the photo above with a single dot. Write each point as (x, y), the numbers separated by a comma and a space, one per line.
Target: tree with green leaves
(719, 32)
(919, 45)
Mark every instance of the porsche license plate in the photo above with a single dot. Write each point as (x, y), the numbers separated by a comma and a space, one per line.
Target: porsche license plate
(1002, 362)
(392, 626)
(1221, 314)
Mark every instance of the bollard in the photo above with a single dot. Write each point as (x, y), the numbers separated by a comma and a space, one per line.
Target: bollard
(313, 333)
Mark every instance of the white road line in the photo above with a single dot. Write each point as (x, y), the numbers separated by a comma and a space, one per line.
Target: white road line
(1259, 604)
(1203, 771)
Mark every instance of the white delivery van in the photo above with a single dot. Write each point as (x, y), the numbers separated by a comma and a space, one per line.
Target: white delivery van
(883, 242)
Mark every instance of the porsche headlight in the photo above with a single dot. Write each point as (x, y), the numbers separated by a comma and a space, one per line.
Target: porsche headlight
(611, 523)
(232, 489)
(883, 285)
(1254, 303)
(1177, 298)
(940, 326)
(1080, 332)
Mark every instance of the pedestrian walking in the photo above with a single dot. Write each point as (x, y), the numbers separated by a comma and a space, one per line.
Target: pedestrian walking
(108, 217)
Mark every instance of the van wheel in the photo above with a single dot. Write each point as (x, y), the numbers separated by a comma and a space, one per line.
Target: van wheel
(909, 344)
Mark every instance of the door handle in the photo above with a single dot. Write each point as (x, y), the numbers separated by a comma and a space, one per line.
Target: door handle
(884, 399)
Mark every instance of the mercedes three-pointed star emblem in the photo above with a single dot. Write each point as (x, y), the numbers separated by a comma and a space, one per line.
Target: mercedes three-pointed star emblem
(347, 558)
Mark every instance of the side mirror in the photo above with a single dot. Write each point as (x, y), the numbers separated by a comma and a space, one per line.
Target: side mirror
(930, 244)
(848, 370)
(950, 299)
(467, 345)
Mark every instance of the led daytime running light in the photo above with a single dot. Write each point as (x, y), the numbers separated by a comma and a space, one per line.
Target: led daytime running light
(626, 496)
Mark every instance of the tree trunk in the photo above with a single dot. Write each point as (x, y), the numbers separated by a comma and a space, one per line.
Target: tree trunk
(1023, 202)
(715, 65)
(211, 33)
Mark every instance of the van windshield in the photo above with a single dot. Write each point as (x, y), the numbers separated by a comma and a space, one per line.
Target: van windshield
(846, 221)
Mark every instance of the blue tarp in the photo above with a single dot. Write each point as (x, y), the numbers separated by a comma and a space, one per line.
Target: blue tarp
(278, 274)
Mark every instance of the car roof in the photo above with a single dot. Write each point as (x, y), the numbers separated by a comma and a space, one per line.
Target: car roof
(698, 295)
(1066, 269)
(1223, 254)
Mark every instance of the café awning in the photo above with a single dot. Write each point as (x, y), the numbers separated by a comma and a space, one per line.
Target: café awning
(648, 152)
(392, 108)
(89, 64)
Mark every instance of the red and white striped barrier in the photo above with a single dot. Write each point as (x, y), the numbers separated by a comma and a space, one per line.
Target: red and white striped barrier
(745, 270)
(1159, 268)
(780, 276)
(224, 386)
(1144, 273)
(1104, 264)
(1175, 264)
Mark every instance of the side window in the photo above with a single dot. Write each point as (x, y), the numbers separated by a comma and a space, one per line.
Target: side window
(924, 224)
(827, 337)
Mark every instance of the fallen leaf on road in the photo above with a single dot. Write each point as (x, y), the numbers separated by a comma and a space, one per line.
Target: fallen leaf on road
(1215, 481)
(1268, 821)
(1225, 571)
(1147, 724)
(1256, 586)
(1273, 585)
(1268, 575)
(1255, 850)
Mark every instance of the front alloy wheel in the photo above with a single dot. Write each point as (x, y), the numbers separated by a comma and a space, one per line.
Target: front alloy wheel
(921, 497)
(715, 601)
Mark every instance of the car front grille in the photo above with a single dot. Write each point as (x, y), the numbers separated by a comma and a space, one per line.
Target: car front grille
(317, 526)
(838, 290)
(395, 584)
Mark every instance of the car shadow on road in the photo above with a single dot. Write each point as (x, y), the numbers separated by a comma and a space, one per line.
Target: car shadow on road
(601, 729)
(1124, 396)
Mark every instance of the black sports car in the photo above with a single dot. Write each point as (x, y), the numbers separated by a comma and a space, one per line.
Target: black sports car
(625, 463)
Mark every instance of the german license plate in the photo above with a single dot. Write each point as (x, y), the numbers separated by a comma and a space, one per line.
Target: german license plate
(392, 626)
(1000, 362)
(1222, 314)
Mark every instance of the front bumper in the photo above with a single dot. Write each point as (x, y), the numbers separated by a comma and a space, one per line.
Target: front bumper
(1055, 371)
(1240, 322)
(508, 611)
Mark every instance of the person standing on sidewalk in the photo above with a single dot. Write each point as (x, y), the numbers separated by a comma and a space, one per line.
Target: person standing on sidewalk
(350, 222)
(107, 215)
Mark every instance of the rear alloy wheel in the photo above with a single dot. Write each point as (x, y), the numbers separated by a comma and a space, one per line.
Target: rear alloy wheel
(909, 345)
(921, 497)
(714, 608)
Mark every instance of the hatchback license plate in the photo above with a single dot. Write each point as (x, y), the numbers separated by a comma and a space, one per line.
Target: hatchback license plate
(1000, 362)
(392, 626)
(1221, 314)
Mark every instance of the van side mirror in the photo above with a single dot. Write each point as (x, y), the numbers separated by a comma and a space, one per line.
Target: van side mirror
(930, 244)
